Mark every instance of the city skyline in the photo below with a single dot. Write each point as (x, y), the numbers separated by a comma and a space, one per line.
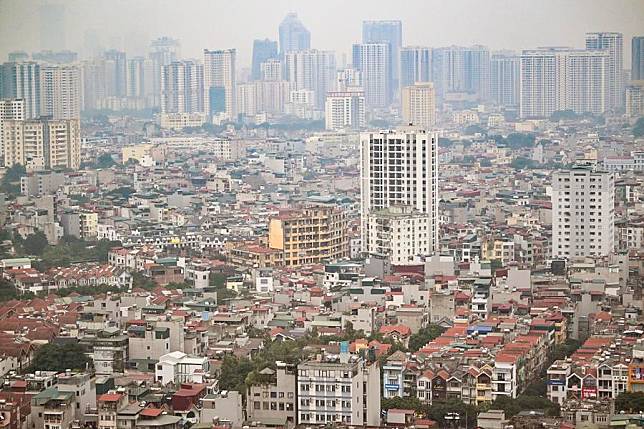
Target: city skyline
(462, 23)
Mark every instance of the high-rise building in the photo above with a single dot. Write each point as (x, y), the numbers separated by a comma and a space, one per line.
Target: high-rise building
(115, 73)
(415, 65)
(505, 78)
(583, 213)
(292, 232)
(389, 32)
(55, 57)
(92, 83)
(399, 168)
(17, 56)
(345, 110)
(42, 143)
(372, 60)
(614, 44)
(136, 77)
(348, 79)
(462, 69)
(271, 70)
(60, 91)
(637, 58)
(419, 105)
(263, 50)
(311, 69)
(635, 99)
(10, 108)
(182, 87)
(554, 79)
(22, 80)
(293, 35)
(163, 51)
(219, 82)
(264, 96)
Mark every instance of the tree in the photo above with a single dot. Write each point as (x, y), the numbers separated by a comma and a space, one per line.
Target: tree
(560, 115)
(217, 280)
(408, 403)
(234, 371)
(521, 163)
(105, 161)
(54, 357)
(630, 402)
(35, 243)
(425, 335)
(439, 411)
(638, 129)
(10, 184)
(474, 129)
(512, 407)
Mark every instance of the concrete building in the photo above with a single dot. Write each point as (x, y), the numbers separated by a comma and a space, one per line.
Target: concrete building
(182, 87)
(345, 110)
(177, 367)
(311, 69)
(263, 50)
(399, 168)
(637, 58)
(505, 78)
(458, 69)
(613, 45)
(634, 98)
(53, 409)
(373, 61)
(555, 79)
(220, 82)
(10, 108)
(271, 70)
(83, 387)
(80, 224)
(331, 391)
(419, 105)
(583, 213)
(60, 91)
(44, 143)
(271, 399)
(309, 236)
(109, 404)
(389, 32)
(21, 80)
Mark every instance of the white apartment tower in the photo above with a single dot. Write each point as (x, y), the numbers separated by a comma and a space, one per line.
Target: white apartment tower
(60, 91)
(22, 80)
(38, 144)
(399, 168)
(311, 69)
(583, 213)
(419, 104)
(10, 108)
(613, 44)
(182, 87)
(345, 110)
(504, 78)
(372, 60)
(555, 79)
(219, 82)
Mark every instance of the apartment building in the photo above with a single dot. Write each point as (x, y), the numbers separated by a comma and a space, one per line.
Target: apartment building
(419, 104)
(53, 409)
(334, 390)
(177, 367)
(310, 235)
(271, 399)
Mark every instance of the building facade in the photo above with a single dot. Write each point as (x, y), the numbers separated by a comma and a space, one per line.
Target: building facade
(419, 105)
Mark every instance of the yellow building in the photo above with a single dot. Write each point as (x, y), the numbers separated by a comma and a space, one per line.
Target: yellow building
(419, 104)
(310, 235)
(138, 152)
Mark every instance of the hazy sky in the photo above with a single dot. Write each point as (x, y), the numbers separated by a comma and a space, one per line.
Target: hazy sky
(334, 24)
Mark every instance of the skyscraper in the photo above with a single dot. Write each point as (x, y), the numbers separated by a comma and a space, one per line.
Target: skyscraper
(419, 104)
(60, 91)
(415, 65)
(163, 51)
(263, 50)
(293, 35)
(389, 32)
(345, 110)
(116, 73)
(614, 44)
(505, 78)
(399, 178)
(311, 69)
(555, 79)
(138, 78)
(22, 80)
(637, 58)
(219, 82)
(10, 108)
(462, 69)
(372, 60)
(583, 214)
(271, 70)
(182, 87)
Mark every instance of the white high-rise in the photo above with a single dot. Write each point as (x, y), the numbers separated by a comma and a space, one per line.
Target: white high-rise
(613, 44)
(583, 213)
(415, 65)
(555, 79)
(505, 78)
(311, 69)
(22, 80)
(219, 82)
(345, 110)
(10, 108)
(60, 91)
(373, 62)
(182, 87)
(419, 104)
(399, 169)
(271, 70)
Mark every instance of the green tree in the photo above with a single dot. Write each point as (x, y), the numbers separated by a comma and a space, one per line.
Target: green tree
(473, 129)
(425, 335)
(54, 357)
(560, 115)
(407, 403)
(10, 184)
(234, 371)
(105, 161)
(630, 402)
(440, 410)
(35, 244)
(522, 163)
(638, 128)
